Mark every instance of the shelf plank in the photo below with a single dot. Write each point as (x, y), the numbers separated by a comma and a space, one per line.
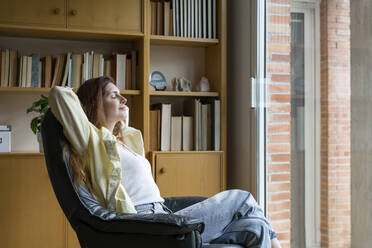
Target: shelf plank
(63, 33)
(181, 41)
(181, 93)
(46, 90)
(186, 152)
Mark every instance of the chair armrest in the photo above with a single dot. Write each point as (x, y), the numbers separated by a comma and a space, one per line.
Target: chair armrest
(155, 224)
(111, 221)
(177, 203)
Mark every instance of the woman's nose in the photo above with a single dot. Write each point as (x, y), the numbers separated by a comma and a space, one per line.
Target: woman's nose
(123, 100)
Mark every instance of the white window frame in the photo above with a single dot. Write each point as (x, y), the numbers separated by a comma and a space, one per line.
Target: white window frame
(310, 8)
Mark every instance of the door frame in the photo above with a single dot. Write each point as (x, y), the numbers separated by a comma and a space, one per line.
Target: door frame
(312, 127)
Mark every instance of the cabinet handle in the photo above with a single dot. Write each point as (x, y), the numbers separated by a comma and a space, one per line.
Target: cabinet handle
(73, 12)
(163, 170)
(56, 11)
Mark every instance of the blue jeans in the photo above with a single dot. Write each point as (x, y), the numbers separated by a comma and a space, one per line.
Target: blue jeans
(231, 216)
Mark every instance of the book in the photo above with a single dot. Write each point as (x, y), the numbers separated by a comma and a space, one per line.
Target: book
(96, 62)
(217, 125)
(192, 108)
(176, 21)
(204, 127)
(128, 72)
(47, 72)
(2, 67)
(40, 75)
(189, 16)
(214, 22)
(28, 71)
(153, 16)
(200, 10)
(12, 68)
(181, 18)
(84, 68)
(66, 69)
(176, 133)
(209, 20)
(209, 127)
(192, 21)
(69, 73)
(160, 18)
(20, 71)
(165, 125)
(57, 61)
(24, 71)
(6, 68)
(101, 65)
(166, 21)
(107, 71)
(204, 18)
(155, 130)
(35, 59)
(185, 18)
(187, 133)
(76, 63)
(171, 21)
(90, 64)
(120, 68)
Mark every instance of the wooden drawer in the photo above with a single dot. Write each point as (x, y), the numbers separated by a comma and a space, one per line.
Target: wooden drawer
(109, 15)
(188, 173)
(47, 13)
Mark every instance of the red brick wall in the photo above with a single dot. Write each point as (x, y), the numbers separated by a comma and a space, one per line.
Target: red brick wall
(335, 123)
(278, 118)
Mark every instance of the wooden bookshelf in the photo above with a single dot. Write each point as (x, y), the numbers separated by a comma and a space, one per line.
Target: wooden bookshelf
(213, 67)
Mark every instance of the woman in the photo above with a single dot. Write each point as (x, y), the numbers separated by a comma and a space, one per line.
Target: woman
(108, 156)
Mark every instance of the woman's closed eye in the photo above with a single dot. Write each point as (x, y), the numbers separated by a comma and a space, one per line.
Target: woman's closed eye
(115, 95)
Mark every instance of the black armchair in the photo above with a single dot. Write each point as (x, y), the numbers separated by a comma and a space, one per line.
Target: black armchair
(96, 226)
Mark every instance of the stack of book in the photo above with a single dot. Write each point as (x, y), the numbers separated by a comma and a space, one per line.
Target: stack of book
(184, 18)
(67, 69)
(197, 129)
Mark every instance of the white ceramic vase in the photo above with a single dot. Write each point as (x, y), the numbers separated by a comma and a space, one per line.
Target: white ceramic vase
(40, 140)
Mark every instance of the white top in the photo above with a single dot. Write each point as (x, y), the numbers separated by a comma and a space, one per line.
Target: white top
(137, 177)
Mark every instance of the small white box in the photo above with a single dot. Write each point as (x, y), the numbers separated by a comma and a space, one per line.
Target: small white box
(5, 138)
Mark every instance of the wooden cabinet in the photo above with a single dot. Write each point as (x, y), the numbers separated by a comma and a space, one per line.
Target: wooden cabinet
(121, 16)
(71, 237)
(49, 13)
(188, 173)
(109, 15)
(30, 215)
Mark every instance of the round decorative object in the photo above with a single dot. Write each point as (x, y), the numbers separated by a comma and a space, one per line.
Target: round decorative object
(203, 85)
(157, 80)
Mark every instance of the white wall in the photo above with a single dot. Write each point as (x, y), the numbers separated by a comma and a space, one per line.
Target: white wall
(13, 112)
(361, 123)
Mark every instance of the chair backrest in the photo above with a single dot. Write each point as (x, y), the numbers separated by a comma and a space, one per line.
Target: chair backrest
(76, 202)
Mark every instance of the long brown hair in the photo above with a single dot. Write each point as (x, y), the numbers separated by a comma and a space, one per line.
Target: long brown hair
(90, 94)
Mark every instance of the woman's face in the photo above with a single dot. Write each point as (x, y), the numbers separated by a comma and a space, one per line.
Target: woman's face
(114, 104)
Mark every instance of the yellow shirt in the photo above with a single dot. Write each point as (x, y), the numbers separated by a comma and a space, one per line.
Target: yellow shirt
(97, 148)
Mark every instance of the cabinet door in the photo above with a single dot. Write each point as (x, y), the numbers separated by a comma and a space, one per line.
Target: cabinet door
(72, 240)
(30, 215)
(189, 174)
(109, 15)
(49, 13)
